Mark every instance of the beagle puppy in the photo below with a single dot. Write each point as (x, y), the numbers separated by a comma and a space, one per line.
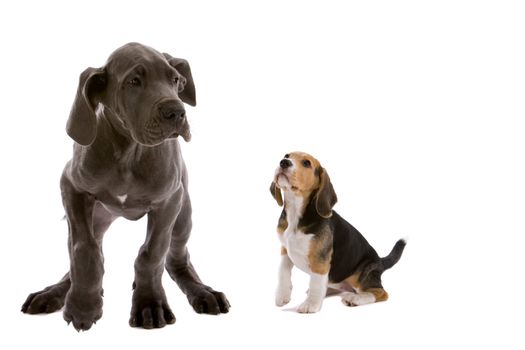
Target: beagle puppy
(321, 243)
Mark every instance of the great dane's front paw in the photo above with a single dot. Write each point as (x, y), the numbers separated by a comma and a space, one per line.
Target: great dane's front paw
(83, 311)
(150, 310)
(205, 300)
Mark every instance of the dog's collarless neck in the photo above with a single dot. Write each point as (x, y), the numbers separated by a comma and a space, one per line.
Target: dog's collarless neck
(300, 212)
(294, 207)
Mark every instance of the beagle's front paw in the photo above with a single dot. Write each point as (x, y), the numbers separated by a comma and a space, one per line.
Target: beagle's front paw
(309, 307)
(283, 296)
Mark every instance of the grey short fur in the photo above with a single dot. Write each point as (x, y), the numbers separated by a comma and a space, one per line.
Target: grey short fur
(127, 162)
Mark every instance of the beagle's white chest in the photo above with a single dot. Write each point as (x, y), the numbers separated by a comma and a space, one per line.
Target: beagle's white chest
(297, 245)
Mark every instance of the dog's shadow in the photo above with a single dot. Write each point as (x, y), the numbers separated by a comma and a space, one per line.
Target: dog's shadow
(329, 294)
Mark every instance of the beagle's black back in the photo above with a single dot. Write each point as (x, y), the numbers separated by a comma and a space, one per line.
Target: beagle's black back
(351, 251)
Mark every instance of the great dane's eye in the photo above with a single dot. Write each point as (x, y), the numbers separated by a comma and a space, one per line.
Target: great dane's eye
(175, 80)
(306, 163)
(134, 82)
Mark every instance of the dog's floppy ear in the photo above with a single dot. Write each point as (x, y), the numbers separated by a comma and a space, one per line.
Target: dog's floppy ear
(82, 123)
(187, 93)
(276, 193)
(325, 197)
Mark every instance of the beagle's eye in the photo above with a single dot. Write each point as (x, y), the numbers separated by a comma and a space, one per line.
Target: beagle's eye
(134, 82)
(286, 155)
(306, 163)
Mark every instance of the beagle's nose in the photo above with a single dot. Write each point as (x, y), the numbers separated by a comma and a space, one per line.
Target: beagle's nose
(285, 163)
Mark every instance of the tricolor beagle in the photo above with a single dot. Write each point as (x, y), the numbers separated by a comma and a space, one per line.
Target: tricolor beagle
(320, 242)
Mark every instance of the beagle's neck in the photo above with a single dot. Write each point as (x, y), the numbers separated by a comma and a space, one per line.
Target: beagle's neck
(294, 207)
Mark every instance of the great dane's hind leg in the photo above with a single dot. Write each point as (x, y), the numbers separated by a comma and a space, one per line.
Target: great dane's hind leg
(52, 298)
(49, 299)
(202, 298)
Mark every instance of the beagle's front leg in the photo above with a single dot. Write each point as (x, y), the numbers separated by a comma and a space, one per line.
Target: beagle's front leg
(319, 262)
(284, 286)
(315, 295)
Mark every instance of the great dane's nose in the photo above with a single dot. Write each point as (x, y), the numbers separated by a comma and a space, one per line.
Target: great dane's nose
(285, 163)
(171, 110)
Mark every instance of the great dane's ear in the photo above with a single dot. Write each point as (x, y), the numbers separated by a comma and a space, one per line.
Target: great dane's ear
(276, 193)
(82, 123)
(187, 93)
(325, 197)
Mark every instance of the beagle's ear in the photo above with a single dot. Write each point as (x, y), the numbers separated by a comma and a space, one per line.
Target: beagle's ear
(186, 87)
(276, 193)
(82, 123)
(325, 197)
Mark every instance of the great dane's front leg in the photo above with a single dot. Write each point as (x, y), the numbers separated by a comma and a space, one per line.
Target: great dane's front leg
(150, 308)
(52, 298)
(83, 304)
(202, 298)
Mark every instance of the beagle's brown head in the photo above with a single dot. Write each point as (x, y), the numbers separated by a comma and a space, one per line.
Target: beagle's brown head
(301, 175)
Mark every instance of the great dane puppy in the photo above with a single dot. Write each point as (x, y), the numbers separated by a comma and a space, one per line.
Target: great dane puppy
(127, 162)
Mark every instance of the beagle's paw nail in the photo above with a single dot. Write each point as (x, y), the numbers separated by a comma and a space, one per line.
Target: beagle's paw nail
(281, 299)
(309, 307)
(353, 299)
(282, 302)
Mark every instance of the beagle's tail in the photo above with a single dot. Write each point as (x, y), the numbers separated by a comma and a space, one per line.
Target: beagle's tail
(394, 256)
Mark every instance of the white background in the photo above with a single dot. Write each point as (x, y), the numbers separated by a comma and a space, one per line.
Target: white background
(415, 108)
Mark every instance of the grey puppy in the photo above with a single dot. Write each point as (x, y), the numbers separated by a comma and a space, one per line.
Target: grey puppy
(127, 162)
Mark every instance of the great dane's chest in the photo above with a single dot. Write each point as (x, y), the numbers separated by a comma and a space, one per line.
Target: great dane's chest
(131, 194)
(135, 183)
